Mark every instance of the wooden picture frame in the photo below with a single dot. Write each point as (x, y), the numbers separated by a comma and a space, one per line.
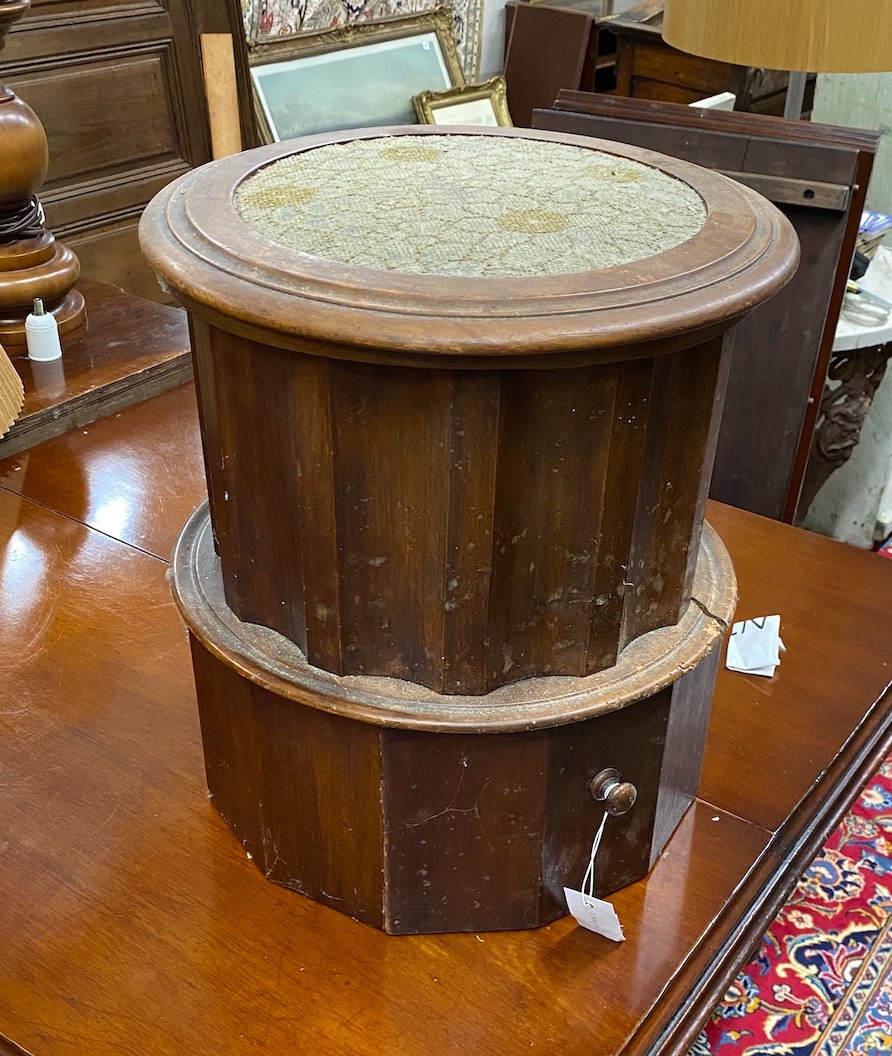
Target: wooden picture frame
(356, 76)
(474, 104)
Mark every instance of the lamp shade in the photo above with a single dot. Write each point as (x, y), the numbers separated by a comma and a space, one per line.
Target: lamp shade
(824, 36)
(11, 393)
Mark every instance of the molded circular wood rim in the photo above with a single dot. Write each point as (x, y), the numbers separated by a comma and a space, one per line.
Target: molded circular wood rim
(228, 273)
(646, 665)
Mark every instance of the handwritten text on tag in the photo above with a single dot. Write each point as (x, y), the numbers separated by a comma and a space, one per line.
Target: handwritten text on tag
(594, 914)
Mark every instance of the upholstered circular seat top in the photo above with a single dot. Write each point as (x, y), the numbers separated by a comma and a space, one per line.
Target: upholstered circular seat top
(469, 205)
(479, 247)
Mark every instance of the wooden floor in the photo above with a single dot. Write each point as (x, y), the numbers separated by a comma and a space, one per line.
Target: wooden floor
(131, 920)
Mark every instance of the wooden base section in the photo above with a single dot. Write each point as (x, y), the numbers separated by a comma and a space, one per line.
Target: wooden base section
(418, 812)
(127, 350)
(37, 267)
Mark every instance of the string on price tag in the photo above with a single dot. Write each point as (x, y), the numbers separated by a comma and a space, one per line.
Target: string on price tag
(589, 912)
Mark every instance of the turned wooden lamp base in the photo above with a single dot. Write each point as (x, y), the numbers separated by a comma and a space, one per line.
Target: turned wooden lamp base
(37, 267)
(32, 263)
(41, 267)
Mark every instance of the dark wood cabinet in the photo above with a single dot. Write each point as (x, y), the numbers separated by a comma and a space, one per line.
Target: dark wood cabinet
(118, 88)
(555, 45)
(818, 176)
(648, 68)
(616, 47)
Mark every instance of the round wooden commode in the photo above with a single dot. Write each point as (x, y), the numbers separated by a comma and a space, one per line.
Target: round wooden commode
(459, 397)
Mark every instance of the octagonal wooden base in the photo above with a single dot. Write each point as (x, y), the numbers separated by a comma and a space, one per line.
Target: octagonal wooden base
(420, 812)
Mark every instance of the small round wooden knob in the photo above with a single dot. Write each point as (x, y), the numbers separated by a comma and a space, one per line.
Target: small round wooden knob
(618, 796)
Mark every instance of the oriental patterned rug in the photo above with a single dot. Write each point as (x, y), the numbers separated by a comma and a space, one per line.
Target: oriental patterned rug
(276, 18)
(821, 983)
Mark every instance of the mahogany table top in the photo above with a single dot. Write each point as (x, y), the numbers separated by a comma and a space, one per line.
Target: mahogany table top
(130, 920)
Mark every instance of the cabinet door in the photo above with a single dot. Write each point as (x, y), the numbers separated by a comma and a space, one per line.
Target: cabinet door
(118, 89)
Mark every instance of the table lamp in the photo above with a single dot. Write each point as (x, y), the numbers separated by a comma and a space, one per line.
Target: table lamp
(821, 36)
(32, 263)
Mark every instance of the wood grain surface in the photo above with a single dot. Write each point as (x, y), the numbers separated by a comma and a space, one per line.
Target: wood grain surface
(783, 346)
(131, 921)
(462, 530)
(107, 364)
(74, 64)
(133, 477)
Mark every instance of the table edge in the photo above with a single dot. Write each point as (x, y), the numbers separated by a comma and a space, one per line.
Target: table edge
(688, 999)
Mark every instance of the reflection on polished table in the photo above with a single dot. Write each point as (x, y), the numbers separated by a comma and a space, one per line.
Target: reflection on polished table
(130, 920)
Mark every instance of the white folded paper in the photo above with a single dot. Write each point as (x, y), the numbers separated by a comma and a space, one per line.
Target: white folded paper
(755, 646)
(595, 914)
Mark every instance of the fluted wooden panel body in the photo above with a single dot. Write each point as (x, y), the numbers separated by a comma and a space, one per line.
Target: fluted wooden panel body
(459, 529)
(460, 480)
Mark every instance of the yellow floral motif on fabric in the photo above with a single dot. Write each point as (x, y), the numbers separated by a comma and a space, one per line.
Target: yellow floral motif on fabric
(469, 205)
(411, 152)
(533, 221)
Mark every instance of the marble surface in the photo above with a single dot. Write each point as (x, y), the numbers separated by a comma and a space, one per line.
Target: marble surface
(855, 504)
(850, 333)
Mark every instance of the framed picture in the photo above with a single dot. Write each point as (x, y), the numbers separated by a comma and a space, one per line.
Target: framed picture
(357, 76)
(288, 17)
(473, 104)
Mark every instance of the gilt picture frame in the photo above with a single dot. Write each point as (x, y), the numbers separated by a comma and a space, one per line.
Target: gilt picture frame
(356, 76)
(473, 104)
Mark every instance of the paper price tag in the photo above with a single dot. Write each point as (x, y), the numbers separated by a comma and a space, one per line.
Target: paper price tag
(595, 914)
(754, 646)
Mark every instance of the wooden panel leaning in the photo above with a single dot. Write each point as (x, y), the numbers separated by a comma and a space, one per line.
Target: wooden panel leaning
(818, 176)
(457, 446)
